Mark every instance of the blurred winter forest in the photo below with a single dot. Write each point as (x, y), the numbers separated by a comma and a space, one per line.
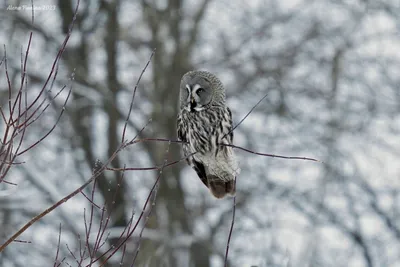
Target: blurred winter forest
(331, 69)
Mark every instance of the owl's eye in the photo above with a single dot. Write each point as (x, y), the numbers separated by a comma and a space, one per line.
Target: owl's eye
(200, 90)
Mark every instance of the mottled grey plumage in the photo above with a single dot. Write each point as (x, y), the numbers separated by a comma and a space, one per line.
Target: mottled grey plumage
(204, 121)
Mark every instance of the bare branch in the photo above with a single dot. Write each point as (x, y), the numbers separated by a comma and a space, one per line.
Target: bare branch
(231, 229)
(58, 247)
(251, 110)
(133, 95)
(270, 155)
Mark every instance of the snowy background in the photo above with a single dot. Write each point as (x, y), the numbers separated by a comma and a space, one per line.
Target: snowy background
(332, 73)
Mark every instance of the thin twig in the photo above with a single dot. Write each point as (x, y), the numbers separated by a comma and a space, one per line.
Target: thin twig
(58, 57)
(4, 168)
(150, 209)
(58, 246)
(127, 232)
(231, 229)
(91, 201)
(104, 228)
(112, 251)
(72, 254)
(51, 129)
(151, 168)
(60, 202)
(133, 140)
(160, 140)
(133, 95)
(251, 110)
(23, 74)
(25, 124)
(97, 168)
(270, 155)
(2, 115)
(22, 241)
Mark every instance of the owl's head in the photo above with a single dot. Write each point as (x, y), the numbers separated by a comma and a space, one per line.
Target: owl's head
(199, 90)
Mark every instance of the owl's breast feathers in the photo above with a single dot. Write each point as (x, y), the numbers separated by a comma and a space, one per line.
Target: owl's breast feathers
(203, 131)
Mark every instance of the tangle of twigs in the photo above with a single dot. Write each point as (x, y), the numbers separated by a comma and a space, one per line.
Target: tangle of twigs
(75, 192)
(18, 119)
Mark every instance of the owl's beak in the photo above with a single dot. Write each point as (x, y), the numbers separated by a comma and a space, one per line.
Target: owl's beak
(192, 100)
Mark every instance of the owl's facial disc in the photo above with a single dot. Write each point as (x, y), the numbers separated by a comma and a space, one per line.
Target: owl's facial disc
(197, 99)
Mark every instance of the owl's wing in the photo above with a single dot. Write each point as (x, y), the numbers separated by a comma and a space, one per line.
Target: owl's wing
(181, 129)
(230, 126)
(196, 165)
(200, 170)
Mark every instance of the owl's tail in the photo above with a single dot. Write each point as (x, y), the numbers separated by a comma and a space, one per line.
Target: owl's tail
(220, 188)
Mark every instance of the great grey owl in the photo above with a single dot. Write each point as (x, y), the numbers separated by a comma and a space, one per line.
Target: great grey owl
(204, 122)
